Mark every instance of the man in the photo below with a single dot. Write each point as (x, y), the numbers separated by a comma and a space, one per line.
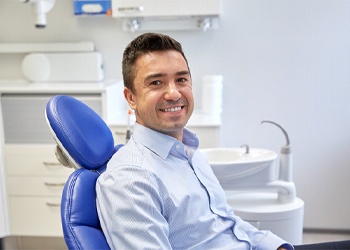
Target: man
(158, 191)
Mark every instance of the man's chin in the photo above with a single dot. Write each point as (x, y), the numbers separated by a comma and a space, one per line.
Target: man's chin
(171, 129)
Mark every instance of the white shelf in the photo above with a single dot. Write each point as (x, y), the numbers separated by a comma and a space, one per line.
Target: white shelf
(46, 47)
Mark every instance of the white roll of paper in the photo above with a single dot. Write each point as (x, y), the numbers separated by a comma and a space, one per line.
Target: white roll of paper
(212, 94)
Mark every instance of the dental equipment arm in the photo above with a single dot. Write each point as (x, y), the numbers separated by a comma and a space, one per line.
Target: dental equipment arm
(40, 8)
(285, 168)
(285, 173)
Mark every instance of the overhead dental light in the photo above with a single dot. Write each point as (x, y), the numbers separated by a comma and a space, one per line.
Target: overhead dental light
(40, 8)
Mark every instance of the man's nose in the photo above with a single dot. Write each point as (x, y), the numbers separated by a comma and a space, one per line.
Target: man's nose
(172, 92)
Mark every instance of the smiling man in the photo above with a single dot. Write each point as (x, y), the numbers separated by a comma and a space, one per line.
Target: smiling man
(161, 95)
(158, 191)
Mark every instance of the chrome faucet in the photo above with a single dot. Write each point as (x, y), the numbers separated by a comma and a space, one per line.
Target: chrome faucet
(246, 146)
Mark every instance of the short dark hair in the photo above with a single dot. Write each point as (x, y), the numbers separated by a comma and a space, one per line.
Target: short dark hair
(144, 44)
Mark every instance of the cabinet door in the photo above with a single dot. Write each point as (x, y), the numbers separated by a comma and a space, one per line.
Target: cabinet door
(33, 160)
(35, 216)
(40, 186)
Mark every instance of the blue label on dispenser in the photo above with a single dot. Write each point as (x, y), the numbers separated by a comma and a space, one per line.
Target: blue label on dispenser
(92, 7)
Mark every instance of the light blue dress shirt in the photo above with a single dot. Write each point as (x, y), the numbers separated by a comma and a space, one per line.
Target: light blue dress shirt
(161, 193)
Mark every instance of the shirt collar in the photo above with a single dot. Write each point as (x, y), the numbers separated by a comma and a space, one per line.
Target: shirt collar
(160, 143)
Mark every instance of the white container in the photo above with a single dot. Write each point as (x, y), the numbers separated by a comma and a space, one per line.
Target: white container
(212, 94)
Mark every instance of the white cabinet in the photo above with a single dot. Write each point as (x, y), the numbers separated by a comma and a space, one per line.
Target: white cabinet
(168, 9)
(163, 15)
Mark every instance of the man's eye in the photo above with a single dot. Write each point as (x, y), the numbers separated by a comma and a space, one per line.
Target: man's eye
(155, 83)
(182, 80)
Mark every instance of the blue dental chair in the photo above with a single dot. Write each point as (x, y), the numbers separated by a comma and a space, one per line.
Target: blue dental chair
(85, 143)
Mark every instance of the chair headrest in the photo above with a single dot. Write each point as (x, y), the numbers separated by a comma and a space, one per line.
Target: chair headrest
(80, 132)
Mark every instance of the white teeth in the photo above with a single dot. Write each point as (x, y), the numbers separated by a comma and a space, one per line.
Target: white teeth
(172, 109)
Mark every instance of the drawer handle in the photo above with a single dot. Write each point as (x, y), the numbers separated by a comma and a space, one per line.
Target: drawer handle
(47, 163)
(50, 184)
(53, 204)
(131, 9)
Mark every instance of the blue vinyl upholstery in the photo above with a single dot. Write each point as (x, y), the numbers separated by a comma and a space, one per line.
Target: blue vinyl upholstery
(86, 143)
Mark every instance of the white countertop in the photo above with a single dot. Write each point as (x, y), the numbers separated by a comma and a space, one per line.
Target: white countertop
(25, 87)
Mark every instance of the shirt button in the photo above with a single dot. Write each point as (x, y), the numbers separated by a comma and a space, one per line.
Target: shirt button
(178, 146)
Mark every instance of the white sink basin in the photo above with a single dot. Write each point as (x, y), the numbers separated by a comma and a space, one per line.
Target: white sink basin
(228, 156)
(236, 169)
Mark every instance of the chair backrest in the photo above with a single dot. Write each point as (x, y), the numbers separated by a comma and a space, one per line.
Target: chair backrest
(85, 143)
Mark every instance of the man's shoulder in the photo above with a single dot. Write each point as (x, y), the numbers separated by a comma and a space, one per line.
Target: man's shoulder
(127, 155)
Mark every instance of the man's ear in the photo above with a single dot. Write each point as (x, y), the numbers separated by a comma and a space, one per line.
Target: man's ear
(130, 98)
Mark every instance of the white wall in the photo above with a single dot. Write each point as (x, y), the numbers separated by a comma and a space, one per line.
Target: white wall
(282, 60)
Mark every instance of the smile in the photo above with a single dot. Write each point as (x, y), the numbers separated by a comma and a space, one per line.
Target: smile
(171, 109)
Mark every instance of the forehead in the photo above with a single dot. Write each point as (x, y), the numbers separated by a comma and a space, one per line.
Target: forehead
(161, 60)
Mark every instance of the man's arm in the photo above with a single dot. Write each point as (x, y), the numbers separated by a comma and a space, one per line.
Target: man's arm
(129, 208)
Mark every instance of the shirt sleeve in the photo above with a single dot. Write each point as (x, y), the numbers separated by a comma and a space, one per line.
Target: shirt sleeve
(259, 239)
(130, 210)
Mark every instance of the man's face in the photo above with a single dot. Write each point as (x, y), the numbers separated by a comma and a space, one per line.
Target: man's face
(163, 99)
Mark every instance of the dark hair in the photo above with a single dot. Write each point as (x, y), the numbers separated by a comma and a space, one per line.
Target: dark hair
(144, 44)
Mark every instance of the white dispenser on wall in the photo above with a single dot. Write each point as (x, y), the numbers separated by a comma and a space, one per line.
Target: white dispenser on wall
(212, 94)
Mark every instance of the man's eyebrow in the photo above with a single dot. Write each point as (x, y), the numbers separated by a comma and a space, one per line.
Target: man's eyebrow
(157, 75)
(181, 73)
